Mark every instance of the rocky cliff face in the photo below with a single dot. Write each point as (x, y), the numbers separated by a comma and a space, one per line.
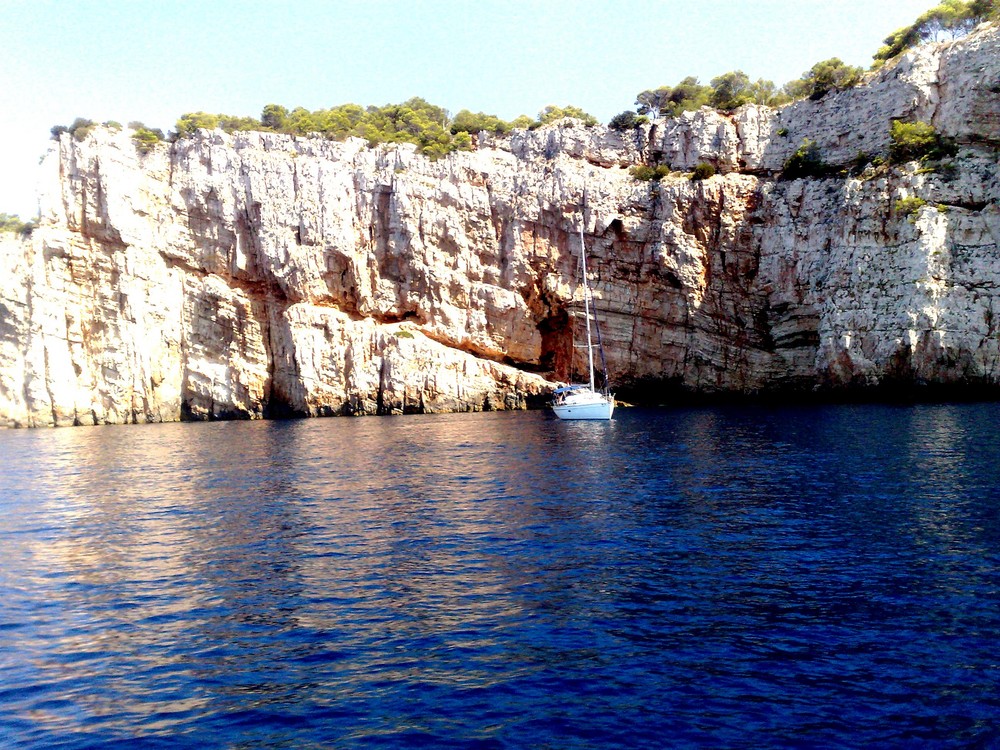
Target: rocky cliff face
(252, 274)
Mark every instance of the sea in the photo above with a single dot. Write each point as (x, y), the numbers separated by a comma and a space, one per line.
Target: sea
(821, 576)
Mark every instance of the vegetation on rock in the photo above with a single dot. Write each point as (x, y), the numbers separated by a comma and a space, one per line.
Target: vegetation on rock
(627, 120)
(863, 164)
(912, 141)
(734, 89)
(807, 161)
(552, 113)
(429, 127)
(702, 171)
(909, 141)
(416, 121)
(670, 101)
(435, 132)
(910, 205)
(645, 173)
(829, 75)
(12, 223)
(467, 122)
(80, 128)
(145, 138)
(949, 20)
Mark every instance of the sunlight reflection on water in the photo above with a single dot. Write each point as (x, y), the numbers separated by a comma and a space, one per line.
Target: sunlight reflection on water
(686, 577)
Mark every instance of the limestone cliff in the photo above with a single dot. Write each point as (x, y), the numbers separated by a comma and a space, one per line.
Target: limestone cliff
(256, 273)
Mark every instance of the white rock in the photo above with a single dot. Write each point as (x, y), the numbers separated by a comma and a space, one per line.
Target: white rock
(255, 273)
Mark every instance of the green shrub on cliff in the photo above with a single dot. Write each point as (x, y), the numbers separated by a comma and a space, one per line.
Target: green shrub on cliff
(145, 138)
(912, 141)
(829, 75)
(734, 89)
(627, 120)
(274, 117)
(807, 161)
(80, 129)
(415, 121)
(949, 20)
(12, 223)
(188, 123)
(552, 113)
(467, 122)
(646, 173)
(670, 101)
(703, 171)
(909, 206)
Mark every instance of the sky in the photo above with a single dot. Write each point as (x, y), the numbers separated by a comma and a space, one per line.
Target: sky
(128, 60)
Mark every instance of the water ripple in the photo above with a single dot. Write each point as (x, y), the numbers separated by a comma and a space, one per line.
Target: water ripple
(739, 577)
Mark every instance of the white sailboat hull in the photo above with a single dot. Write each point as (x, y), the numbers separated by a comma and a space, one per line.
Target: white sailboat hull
(585, 405)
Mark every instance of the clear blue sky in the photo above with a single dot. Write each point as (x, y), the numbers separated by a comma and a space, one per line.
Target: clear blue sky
(152, 61)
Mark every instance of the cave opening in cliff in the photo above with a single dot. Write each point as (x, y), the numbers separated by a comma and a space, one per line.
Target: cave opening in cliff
(278, 405)
(557, 344)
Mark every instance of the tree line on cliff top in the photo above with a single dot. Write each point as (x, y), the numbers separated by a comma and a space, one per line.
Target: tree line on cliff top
(949, 20)
(435, 132)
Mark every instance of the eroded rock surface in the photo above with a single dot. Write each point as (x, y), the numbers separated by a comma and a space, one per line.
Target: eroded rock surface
(257, 273)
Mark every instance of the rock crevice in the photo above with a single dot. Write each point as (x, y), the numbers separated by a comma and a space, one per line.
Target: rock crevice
(260, 274)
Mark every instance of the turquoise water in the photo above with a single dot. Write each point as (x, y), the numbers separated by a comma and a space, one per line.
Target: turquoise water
(722, 577)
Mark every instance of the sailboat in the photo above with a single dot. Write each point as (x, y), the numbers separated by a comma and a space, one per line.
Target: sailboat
(584, 401)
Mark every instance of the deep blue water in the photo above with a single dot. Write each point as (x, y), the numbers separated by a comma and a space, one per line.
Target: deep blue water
(720, 577)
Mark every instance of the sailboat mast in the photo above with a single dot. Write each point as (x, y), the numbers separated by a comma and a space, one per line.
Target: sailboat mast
(586, 301)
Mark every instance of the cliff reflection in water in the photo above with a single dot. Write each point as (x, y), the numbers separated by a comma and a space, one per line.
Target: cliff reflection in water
(692, 577)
